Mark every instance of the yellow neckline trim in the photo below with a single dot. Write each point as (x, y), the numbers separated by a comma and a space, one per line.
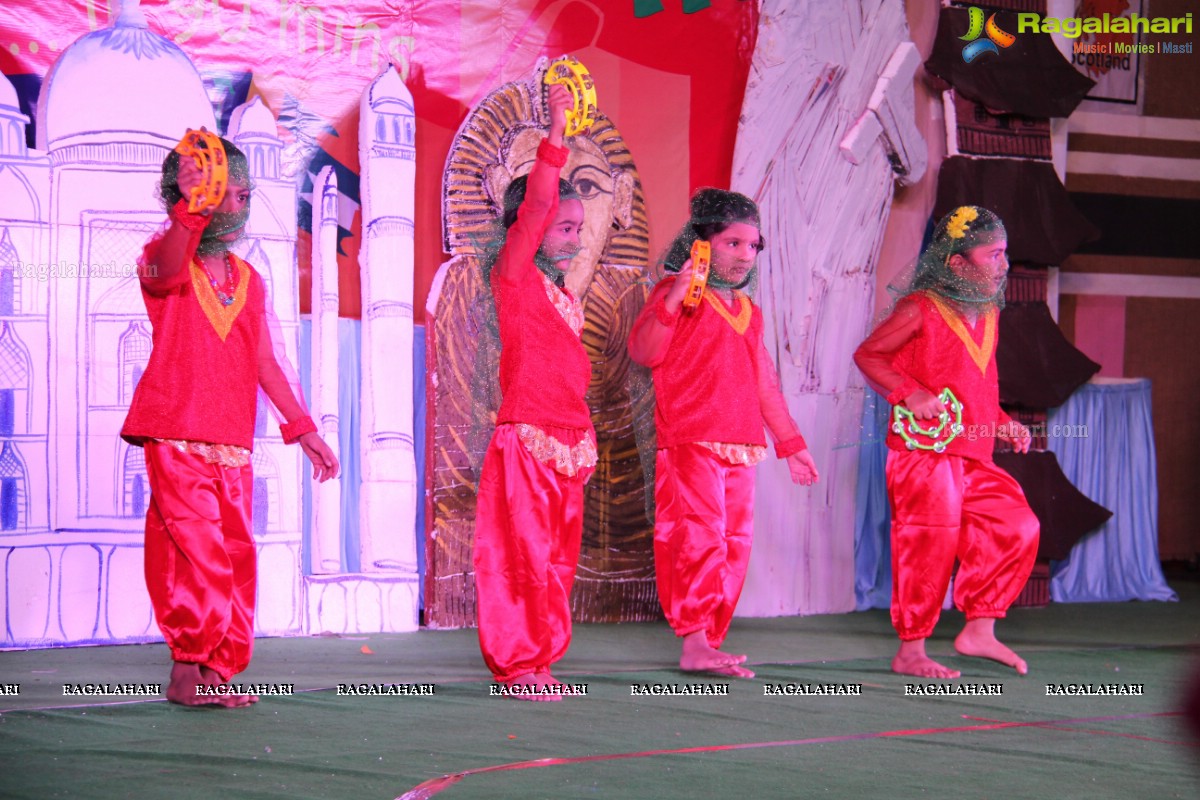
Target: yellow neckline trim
(739, 323)
(981, 353)
(221, 316)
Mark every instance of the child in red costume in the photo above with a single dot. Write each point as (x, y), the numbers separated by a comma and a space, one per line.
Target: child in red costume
(193, 413)
(715, 388)
(529, 511)
(949, 499)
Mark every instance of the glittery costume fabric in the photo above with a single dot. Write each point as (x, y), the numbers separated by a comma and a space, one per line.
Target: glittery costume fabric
(711, 383)
(198, 386)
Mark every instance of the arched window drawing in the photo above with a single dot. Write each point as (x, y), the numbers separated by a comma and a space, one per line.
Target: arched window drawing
(135, 495)
(10, 280)
(14, 379)
(13, 481)
(133, 355)
(266, 493)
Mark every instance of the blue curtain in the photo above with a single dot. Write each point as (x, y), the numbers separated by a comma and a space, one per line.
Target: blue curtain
(873, 516)
(349, 363)
(1104, 440)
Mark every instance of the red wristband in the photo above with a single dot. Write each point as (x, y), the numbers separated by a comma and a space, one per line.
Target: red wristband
(551, 154)
(665, 317)
(193, 222)
(292, 431)
(789, 447)
(902, 391)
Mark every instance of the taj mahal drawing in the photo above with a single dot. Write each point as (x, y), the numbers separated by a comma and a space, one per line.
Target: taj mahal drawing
(74, 339)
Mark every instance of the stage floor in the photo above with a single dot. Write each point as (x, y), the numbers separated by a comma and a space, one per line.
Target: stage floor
(699, 742)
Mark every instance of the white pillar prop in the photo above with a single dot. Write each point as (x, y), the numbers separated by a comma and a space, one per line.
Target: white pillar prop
(388, 497)
(327, 496)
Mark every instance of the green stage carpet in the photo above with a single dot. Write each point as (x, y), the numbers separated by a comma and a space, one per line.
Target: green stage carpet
(1007, 739)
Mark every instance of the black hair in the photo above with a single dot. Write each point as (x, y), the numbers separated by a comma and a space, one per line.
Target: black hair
(168, 186)
(714, 210)
(514, 195)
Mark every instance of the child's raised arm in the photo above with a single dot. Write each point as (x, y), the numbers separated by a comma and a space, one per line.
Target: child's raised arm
(655, 326)
(540, 203)
(166, 258)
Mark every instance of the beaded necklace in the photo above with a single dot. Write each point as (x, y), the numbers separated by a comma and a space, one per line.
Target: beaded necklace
(226, 299)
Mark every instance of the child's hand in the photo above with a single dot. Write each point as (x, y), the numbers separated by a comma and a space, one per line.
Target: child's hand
(1017, 435)
(560, 102)
(803, 468)
(325, 463)
(674, 299)
(924, 405)
(189, 177)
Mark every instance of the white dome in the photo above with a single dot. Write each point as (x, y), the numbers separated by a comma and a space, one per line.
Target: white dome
(387, 87)
(125, 80)
(253, 118)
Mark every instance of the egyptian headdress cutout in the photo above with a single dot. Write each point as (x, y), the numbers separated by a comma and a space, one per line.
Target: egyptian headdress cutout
(469, 210)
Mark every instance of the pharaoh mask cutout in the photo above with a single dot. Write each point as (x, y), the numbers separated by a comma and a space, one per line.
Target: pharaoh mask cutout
(497, 143)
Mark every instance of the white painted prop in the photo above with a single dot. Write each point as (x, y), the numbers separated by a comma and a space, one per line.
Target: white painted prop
(889, 114)
(388, 495)
(327, 497)
(823, 219)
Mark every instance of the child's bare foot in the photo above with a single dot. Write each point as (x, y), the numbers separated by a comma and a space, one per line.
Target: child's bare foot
(548, 680)
(700, 656)
(185, 678)
(911, 659)
(978, 638)
(734, 670)
(532, 686)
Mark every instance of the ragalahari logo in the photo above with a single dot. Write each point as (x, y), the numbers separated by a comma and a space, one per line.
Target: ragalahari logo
(996, 38)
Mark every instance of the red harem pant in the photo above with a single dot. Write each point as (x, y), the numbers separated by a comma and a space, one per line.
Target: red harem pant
(944, 507)
(200, 558)
(703, 528)
(528, 529)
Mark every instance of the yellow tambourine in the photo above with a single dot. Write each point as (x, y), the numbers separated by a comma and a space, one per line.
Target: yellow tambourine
(206, 150)
(701, 262)
(935, 437)
(570, 73)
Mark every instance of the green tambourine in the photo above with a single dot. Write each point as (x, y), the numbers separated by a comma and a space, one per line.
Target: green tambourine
(907, 427)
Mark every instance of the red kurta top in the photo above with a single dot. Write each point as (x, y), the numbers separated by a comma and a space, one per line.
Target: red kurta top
(207, 362)
(544, 369)
(713, 380)
(946, 351)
